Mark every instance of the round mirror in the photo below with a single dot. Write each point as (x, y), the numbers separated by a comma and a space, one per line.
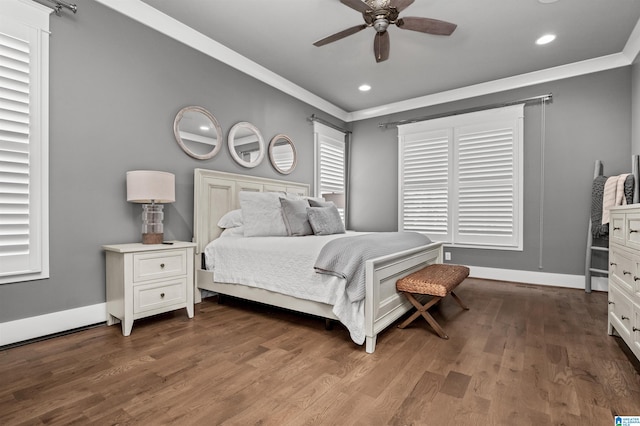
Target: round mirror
(197, 132)
(282, 154)
(246, 144)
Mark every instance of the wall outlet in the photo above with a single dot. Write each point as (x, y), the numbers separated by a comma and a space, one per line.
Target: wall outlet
(447, 255)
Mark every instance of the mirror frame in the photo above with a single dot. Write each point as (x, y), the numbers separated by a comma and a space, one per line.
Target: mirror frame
(272, 145)
(232, 150)
(216, 125)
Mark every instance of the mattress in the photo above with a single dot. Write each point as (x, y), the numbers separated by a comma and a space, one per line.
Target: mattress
(285, 265)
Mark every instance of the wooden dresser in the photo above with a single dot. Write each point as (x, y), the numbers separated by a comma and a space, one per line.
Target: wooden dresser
(624, 275)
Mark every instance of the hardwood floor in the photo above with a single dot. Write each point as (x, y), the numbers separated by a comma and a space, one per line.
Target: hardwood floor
(522, 355)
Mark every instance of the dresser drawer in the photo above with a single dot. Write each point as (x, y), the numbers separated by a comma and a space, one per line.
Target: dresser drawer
(623, 268)
(159, 265)
(159, 295)
(620, 312)
(617, 228)
(633, 230)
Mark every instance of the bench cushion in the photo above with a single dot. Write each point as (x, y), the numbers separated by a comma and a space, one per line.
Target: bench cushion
(435, 280)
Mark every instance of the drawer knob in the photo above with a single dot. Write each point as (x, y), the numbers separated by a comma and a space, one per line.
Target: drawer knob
(623, 317)
(631, 231)
(161, 294)
(616, 228)
(636, 329)
(625, 272)
(613, 264)
(612, 303)
(636, 278)
(162, 265)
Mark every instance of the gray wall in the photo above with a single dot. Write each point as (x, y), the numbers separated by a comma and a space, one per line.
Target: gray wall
(635, 108)
(588, 119)
(116, 87)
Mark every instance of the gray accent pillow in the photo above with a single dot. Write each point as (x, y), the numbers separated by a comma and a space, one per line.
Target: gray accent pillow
(262, 214)
(325, 220)
(294, 213)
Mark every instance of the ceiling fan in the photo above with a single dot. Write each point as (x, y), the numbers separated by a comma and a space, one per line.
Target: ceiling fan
(379, 14)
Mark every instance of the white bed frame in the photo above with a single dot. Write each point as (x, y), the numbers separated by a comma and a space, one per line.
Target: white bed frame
(216, 193)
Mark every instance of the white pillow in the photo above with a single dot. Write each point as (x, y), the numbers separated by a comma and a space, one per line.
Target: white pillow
(262, 214)
(232, 219)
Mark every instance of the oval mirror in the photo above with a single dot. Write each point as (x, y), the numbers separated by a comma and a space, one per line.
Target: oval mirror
(246, 144)
(197, 132)
(282, 154)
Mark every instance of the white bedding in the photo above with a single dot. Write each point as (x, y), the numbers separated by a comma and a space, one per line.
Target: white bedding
(285, 265)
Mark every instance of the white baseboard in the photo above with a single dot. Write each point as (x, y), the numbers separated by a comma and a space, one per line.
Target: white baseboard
(56, 322)
(538, 278)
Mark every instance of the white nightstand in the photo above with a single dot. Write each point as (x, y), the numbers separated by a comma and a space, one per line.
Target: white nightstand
(148, 279)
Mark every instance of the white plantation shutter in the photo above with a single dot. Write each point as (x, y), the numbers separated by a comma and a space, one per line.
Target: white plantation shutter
(425, 182)
(473, 195)
(23, 144)
(330, 161)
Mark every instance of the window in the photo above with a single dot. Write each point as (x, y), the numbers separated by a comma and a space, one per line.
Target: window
(24, 76)
(461, 178)
(330, 164)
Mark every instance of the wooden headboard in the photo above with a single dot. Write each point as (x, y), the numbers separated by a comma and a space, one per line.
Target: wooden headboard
(216, 193)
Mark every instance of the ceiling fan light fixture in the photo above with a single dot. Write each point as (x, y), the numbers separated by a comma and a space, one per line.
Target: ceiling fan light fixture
(545, 39)
(381, 25)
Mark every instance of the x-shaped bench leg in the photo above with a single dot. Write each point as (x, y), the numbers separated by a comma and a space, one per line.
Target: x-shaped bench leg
(422, 310)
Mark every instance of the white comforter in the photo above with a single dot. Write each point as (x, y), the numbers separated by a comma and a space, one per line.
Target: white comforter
(285, 265)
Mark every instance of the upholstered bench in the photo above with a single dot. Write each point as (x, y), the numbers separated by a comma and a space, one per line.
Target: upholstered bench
(436, 280)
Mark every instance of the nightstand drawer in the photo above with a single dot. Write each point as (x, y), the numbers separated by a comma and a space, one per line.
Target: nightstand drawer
(152, 266)
(160, 295)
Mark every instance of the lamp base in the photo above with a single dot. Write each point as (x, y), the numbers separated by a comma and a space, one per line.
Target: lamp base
(153, 238)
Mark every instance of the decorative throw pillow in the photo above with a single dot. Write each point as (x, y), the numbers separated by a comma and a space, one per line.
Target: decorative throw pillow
(325, 220)
(262, 214)
(294, 213)
(232, 219)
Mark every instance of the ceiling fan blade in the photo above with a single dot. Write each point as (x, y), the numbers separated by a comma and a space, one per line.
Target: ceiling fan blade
(341, 34)
(426, 25)
(401, 5)
(381, 46)
(358, 5)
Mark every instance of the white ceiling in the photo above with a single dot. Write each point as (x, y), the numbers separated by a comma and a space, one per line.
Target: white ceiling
(492, 49)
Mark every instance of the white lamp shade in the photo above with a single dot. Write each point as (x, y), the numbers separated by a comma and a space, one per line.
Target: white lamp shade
(149, 186)
(336, 197)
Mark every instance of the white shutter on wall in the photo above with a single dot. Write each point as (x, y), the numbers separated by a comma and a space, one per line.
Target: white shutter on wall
(486, 184)
(330, 164)
(23, 142)
(460, 178)
(425, 180)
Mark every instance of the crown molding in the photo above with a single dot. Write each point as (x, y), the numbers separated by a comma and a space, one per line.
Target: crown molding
(153, 18)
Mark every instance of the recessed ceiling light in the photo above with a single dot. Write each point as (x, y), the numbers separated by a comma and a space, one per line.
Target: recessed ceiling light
(364, 88)
(547, 38)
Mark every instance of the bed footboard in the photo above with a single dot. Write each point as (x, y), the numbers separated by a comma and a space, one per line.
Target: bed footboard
(383, 304)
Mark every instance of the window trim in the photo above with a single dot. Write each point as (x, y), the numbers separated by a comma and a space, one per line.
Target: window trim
(324, 134)
(34, 18)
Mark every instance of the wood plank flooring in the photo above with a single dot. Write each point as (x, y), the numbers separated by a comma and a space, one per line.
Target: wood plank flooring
(522, 355)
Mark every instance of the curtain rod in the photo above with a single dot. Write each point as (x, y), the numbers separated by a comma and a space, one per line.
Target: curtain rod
(326, 123)
(542, 98)
(59, 4)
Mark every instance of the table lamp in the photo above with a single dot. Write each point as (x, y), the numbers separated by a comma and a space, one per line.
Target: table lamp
(150, 187)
